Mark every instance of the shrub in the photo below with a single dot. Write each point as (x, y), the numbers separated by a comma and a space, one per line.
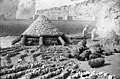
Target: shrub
(117, 50)
(108, 52)
(84, 42)
(96, 50)
(68, 55)
(75, 52)
(94, 55)
(81, 49)
(93, 63)
(97, 45)
(84, 55)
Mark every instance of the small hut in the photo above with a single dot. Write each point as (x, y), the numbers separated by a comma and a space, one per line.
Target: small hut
(42, 32)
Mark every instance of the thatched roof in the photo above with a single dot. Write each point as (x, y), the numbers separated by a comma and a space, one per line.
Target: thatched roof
(42, 26)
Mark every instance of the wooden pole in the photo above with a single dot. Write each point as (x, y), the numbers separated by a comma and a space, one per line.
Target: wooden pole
(61, 40)
(40, 41)
(68, 39)
(23, 40)
(16, 40)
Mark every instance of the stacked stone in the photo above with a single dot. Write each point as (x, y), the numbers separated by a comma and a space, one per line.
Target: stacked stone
(42, 26)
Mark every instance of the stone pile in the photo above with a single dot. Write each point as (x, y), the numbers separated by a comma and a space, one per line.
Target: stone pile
(42, 26)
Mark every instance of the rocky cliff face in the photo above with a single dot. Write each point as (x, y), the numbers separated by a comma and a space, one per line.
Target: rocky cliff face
(109, 19)
(25, 9)
(84, 10)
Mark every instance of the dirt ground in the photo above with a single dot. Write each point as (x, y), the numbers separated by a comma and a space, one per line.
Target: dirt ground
(112, 63)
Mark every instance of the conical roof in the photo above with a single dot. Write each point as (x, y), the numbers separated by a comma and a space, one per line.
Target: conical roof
(42, 26)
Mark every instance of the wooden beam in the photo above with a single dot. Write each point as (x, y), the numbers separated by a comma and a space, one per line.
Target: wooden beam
(61, 40)
(23, 40)
(40, 41)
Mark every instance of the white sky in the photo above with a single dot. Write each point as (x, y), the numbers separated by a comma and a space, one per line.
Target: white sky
(45, 4)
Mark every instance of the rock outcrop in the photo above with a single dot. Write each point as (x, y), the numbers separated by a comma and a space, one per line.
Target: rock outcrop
(109, 19)
(27, 8)
(85, 10)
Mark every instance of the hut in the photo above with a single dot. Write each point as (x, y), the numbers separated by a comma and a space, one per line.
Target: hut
(42, 32)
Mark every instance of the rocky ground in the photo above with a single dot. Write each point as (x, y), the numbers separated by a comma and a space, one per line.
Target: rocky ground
(55, 62)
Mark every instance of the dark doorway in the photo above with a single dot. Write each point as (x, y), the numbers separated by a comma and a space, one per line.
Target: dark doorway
(51, 40)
